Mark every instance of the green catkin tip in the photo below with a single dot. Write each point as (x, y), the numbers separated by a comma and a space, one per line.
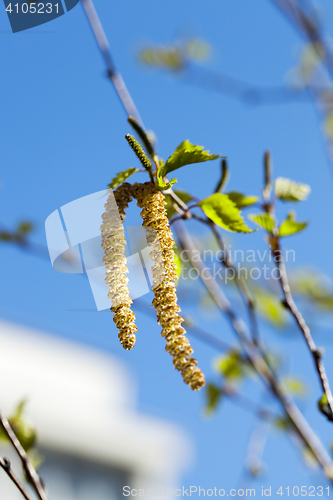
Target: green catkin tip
(142, 134)
(139, 152)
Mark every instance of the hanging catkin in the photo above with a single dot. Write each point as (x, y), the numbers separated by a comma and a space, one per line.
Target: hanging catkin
(160, 239)
(113, 244)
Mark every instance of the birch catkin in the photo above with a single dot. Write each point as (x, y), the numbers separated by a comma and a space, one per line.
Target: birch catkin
(160, 239)
(113, 244)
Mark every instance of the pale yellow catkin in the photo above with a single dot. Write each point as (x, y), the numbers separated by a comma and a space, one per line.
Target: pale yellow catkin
(154, 217)
(114, 260)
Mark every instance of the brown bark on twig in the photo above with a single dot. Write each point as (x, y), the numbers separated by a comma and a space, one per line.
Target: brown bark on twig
(6, 466)
(297, 419)
(28, 468)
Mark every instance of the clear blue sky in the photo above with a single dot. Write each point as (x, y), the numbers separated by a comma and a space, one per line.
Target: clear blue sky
(62, 137)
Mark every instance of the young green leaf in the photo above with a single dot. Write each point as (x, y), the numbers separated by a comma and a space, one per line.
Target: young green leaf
(269, 307)
(171, 58)
(164, 186)
(309, 458)
(213, 396)
(121, 177)
(314, 287)
(222, 210)
(324, 407)
(294, 386)
(288, 190)
(185, 154)
(282, 423)
(290, 226)
(265, 221)
(230, 365)
(24, 431)
(20, 408)
(240, 200)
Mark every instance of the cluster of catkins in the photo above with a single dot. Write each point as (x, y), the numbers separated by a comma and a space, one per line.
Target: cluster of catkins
(159, 238)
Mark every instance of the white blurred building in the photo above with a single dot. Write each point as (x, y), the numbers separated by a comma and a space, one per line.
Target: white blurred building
(82, 403)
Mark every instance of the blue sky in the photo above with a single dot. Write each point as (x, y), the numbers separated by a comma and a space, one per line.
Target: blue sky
(62, 137)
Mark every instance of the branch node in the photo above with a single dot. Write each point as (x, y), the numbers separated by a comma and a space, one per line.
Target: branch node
(285, 304)
(7, 463)
(319, 353)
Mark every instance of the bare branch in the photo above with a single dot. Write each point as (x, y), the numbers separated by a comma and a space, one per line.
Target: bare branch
(297, 419)
(241, 284)
(28, 468)
(288, 302)
(6, 466)
(224, 176)
(300, 424)
(317, 353)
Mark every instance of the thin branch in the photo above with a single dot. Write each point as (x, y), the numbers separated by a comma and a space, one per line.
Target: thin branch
(115, 77)
(6, 466)
(236, 88)
(176, 198)
(297, 419)
(240, 283)
(317, 353)
(288, 302)
(28, 468)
